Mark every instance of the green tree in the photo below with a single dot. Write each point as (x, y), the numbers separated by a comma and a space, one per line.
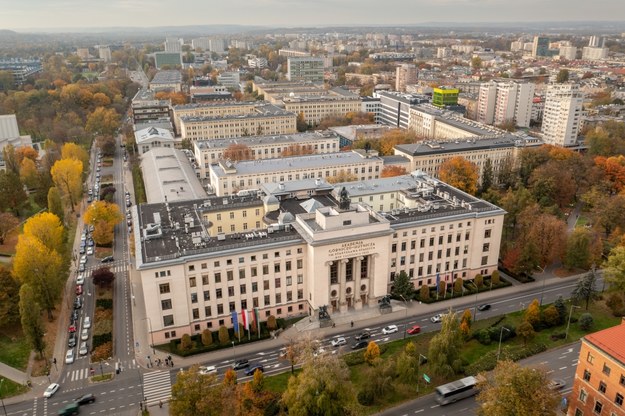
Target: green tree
(578, 249)
(372, 353)
(379, 381)
(614, 270)
(476, 62)
(532, 313)
(9, 298)
(322, 388)
(444, 349)
(586, 288)
(224, 336)
(12, 195)
(487, 176)
(55, 205)
(512, 389)
(402, 286)
(551, 316)
(30, 313)
(186, 343)
(561, 308)
(563, 76)
(301, 123)
(406, 365)
(586, 322)
(207, 337)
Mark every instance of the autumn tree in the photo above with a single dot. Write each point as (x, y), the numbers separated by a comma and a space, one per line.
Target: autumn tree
(579, 249)
(67, 176)
(103, 277)
(8, 223)
(55, 205)
(444, 349)
(298, 150)
(195, 394)
(342, 176)
(551, 316)
(47, 228)
(372, 353)
(407, 363)
(512, 389)
(392, 170)
(29, 175)
(207, 337)
(224, 336)
(614, 270)
(546, 232)
(103, 216)
(563, 76)
(424, 293)
(460, 173)
(76, 152)
(103, 121)
(9, 298)
(237, 151)
(13, 196)
(323, 387)
(30, 313)
(40, 267)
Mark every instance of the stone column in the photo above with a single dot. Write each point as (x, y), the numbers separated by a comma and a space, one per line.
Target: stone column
(357, 300)
(342, 285)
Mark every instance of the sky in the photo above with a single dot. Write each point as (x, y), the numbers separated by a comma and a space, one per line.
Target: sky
(20, 15)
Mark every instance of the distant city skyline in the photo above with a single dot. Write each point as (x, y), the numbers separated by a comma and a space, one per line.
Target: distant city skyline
(37, 15)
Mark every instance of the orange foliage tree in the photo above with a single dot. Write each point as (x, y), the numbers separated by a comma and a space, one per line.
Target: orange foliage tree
(460, 173)
(237, 151)
(614, 170)
(175, 97)
(298, 150)
(390, 171)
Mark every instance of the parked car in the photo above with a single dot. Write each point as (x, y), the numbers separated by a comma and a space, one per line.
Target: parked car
(80, 279)
(83, 260)
(211, 369)
(71, 341)
(89, 251)
(77, 303)
(239, 364)
(250, 371)
(362, 335)
(437, 318)
(86, 399)
(556, 384)
(78, 289)
(75, 315)
(84, 334)
(81, 267)
(483, 307)
(82, 250)
(360, 345)
(69, 356)
(52, 388)
(415, 329)
(390, 329)
(107, 259)
(339, 341)
(87, 322)
(72, 329)
(84, 348)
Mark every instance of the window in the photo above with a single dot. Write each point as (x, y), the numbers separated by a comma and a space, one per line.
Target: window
(191, 268)
(606, 370)
(289, 280)
(586, 375)
(242, 289)
(218, 293)
(590, 358)
(300, 278)
(484, 260)
(193, 297)
(602, 387)
(583, 395)
(217, 277)
(487, 233)
(334, 273)
(618, 399)
(579, 412)
(241, 273)
(266, 284)
(265, 269)
(164, 288)
(192, 282)
(166, 304)
(232, 307)
(196, 313)
(230, 275)
(598, 407)
(230, 291)
(622, 380)
(287, 266)
(278, 298)
(207, 295)
(266, 300)
(254, 287)
(207, 311)
(253, 272)
(205, 279)
(277, 283)
(300, 294)
(486, 247)
(220, 309)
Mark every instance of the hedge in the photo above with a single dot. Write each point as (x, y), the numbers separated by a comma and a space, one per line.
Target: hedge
(489, 360)
(104, 303)
(101, 339)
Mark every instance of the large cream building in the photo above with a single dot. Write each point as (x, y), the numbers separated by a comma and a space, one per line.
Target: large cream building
(307, 253)
(432, 123)
(315, 109)
(265, 147)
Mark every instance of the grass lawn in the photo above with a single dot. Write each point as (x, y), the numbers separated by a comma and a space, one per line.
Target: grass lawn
(14, 350)
(10, 388)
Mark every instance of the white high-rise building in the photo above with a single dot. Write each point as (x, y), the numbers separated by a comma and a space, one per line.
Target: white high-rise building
(173, 45)
(406, 75)
(500, 102)
(568, 52)
(594, 53)
(105, 53)
(200, 43)
(562, 114)
(217, 45)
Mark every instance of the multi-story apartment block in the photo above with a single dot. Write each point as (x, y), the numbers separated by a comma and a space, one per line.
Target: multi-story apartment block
(395, 107)
(257, 63)
(540, 47)
(290, 253)
(145, 108)
(433, 123)
(315, 109)
(202, 44)
(406, 74)
(173, 45)
(265, 147)
(305, 69)
(501, 102)
(562, 114)
(216, 45)
(599, 384)
(104, 52)
(230, 79)
(292, 53)
(592, 53)
(568, 52)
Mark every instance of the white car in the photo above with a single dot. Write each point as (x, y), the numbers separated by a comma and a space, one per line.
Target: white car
(84, 350)
(84, 334)
(83, 260)
(52, 388)
(80, 279)
(69, 356)
(89, 251)
(389, 329)
(339, 341)
(437, 318)
(86, 324)
(211, 369)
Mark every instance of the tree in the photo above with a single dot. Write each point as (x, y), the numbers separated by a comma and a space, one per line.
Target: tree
(29, 175)
(76, 152)
(487, 176)
(103, 216)
(561, 308)
(578, 249)
(532, 313)
(12, 195)
(301, 123)
(476, 62)
(515, 390)
(237, 151)
(47, 228)
(585, 288)
(379, 382)
(323, 388)
(586, 322)
(67, 176)
(563, 76)
(551, 316)
(207, 337)
(102, 121)
(424, 293)
(272, 324)
(372, 353)
(195, 394)
(298, 150)
(479, 281)
(495, 278)
(224, 336)
(103, 277)
(30, 313)
(40, 267)
(407, 363)
(458, 285)
(392, 170)
(186, 343)
(402, 286)
(55, 205)
(8, 222)
(614, 271)
(9, 298)
(460, 173)
(467, 317)
(444, 349)
(545, 232)
(342, 176)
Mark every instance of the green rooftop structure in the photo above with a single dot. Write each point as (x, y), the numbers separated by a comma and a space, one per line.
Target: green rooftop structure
(444, 96)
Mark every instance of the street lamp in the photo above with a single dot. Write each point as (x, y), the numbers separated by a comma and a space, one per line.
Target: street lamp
(477, 291)
(234, 353)
(500, 337)
(419, 367)
(151, 334)
(568, 323)
(2, 398)
(406, 317)
(542, 292)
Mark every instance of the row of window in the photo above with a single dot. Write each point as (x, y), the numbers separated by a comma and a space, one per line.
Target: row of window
(305, 175)
(165, 288)
(275, 150)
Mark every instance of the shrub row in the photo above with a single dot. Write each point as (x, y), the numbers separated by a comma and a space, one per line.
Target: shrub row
(489, 360)
(101, 339)
(487, 335)
(357, 358)
(105, 303)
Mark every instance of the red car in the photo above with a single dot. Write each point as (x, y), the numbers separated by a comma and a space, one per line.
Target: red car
(79, 289)
(72, 328)
(414, 330)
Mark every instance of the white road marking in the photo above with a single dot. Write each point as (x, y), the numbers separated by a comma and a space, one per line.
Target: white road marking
(562, 368)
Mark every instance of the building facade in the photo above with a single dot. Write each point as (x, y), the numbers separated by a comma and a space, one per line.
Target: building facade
(562, 114)
(315, 109)
(395, 107)
(443, 96)
(501, 102)
(406, 74)
(305, 69)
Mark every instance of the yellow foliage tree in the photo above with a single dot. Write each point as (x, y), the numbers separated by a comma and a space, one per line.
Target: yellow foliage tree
(342, 176)
(39, 266)
(76, 152)
(460, 173)
(67, 176)
(394, 170)
(47, 228)
(103, 121)
(372, 353)
(532, 313)
(29, 174)
(103, 216)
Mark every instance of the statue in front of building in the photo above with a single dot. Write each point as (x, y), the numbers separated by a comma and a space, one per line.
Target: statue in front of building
(344, 201)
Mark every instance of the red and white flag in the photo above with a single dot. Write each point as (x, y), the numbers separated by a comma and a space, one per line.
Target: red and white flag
(245, 319)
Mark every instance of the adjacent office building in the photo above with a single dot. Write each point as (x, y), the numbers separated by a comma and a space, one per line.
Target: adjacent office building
(562, 114)
(395, 107)
(540, 47)
(501, 102)
(406, 74)
(305, 69)
(171, 59)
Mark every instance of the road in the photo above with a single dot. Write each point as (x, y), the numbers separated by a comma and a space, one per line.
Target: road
(560, 363)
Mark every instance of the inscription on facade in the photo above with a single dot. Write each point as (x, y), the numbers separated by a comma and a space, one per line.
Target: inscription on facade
(352, 249)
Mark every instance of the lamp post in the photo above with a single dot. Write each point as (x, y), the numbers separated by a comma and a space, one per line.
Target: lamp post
(477, 291)
(418, 368)
(234, 353)
(406, 317)
(542, 291)
(2, 398)
(500, 337)
(151, 334)
(101, 369)
(568, 323)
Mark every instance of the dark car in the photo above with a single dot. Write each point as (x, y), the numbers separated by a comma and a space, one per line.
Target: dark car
(86, 399)
(360, 345)
(362, 335)
(483, 307)
(77, 303)
(82, 250)
(239, 364)
(250, 371)
(74, 315)
(68, 410)
(71, 341)
(107, 259)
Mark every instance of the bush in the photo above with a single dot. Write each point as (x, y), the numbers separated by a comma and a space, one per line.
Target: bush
(103, 352)
(495, 278)
(104, 303)
(489, 360)
(365, 397)
(557, 335)
(357, 358)
(585, 322)
(551, 316)
(424, 293)
(224, 335)
(186, 343)
(615, 303)
(101, 339)
(207, 337)
(483, 337)
(479, 281)
(272, 325)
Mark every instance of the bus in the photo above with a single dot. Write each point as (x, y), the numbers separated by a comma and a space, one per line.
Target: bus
(456, 390)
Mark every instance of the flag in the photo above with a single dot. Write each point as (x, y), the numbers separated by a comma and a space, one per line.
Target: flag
(244, 320)
(438, 281)
(235, 321)
(257, 319)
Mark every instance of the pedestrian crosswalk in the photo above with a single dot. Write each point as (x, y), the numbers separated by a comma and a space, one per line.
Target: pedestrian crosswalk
(156, 386)
(117, 267)
(84, 373)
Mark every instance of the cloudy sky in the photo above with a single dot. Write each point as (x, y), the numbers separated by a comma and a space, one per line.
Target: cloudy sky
(28, 14)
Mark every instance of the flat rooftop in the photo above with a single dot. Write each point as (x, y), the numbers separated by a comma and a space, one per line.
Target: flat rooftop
(167, 77)
(265, 140)
(216, 104)
(464, 145)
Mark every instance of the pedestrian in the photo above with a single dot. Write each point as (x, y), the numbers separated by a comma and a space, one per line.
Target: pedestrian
(166, 362)
(171, 362)
(352, 324)
(160, 404)
(141, 405)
